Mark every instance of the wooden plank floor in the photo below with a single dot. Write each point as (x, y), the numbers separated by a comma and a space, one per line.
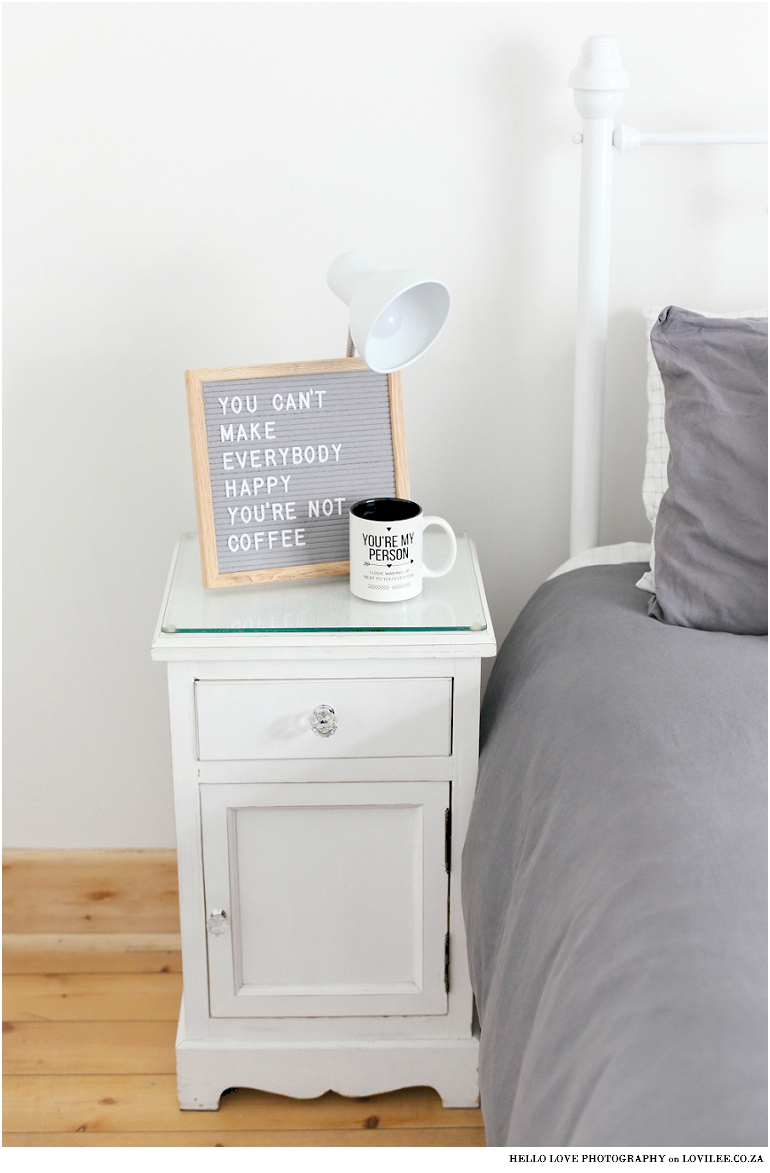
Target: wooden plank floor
(90, 1001)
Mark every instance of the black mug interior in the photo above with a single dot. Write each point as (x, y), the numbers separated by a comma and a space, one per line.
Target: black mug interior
(386, 509)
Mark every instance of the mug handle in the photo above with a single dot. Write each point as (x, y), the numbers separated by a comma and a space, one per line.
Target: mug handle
(427, 572)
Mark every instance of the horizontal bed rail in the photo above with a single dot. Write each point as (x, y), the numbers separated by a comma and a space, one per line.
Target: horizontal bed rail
(628, 138)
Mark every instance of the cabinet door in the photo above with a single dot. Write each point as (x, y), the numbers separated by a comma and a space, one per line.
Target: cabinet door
(335, 897)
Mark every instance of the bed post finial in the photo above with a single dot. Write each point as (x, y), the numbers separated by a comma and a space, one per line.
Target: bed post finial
(597, 81)
(599, 78)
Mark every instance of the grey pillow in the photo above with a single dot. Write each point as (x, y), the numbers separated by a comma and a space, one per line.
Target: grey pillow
(711, 530)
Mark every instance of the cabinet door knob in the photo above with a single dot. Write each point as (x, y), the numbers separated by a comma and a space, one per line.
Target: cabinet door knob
(323, 722)
(217, 922)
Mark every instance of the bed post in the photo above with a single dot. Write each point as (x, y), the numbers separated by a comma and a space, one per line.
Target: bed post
(598, 81)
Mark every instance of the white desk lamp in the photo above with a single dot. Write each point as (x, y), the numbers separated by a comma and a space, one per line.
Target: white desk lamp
(395, 315)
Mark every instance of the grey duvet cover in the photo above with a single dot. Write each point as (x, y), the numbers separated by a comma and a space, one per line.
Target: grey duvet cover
(614, 881)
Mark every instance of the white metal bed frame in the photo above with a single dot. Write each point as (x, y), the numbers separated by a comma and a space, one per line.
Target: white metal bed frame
(598, 81)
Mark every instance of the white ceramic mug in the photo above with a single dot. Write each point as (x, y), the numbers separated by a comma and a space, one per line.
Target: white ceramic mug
(386, 549)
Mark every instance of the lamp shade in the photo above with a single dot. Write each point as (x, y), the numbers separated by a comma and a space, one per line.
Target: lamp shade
(395, 315)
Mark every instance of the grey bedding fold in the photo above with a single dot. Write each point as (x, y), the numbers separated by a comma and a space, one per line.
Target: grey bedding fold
(614, 881)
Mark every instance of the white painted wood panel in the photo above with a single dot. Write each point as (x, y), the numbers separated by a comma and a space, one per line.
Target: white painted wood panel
(271, 719)
(352, 1067)
(335, 894)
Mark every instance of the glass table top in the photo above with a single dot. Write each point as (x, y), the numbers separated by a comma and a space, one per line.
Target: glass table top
(451, 603)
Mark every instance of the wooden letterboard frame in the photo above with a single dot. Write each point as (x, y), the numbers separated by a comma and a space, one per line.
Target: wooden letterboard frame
(280, 453)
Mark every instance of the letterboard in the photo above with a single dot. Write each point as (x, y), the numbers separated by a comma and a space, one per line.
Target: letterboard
(280, 453)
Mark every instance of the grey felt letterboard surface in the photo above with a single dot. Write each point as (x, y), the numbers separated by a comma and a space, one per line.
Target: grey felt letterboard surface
(286, 456)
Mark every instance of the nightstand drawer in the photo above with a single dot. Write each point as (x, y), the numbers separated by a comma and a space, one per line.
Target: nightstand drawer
(242, 719)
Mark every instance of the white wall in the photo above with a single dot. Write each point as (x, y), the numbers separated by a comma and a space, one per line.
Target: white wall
(178, 178)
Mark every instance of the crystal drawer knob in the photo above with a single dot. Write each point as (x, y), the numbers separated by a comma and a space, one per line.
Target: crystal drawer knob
(323, 722)
(217, 922)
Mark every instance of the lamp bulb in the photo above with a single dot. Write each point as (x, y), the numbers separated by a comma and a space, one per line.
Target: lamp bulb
(388, 323)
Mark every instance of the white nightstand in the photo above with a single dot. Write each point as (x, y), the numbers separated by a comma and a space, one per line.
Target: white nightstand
(319, 852)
